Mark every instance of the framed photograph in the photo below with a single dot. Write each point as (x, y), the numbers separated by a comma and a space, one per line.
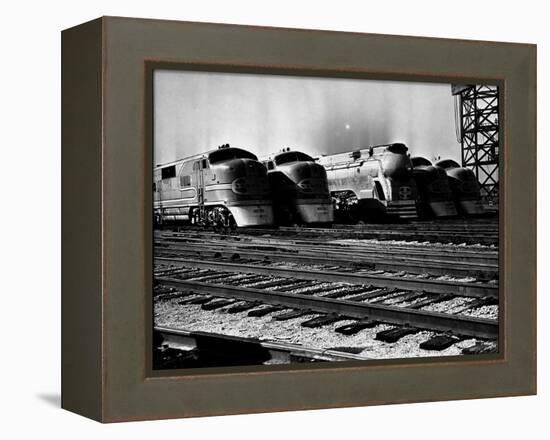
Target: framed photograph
(263, 219)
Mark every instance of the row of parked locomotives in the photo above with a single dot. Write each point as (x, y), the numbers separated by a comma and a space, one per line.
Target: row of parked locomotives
(230, 187)
(369, 183)
(299, 189)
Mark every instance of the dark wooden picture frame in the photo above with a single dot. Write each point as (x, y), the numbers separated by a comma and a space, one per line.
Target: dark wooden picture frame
(107, 225)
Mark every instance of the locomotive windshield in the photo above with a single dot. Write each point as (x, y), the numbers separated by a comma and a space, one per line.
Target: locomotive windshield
(420, 161)
(397, 148)
(448, 163)
(292, 156)
(228, 154)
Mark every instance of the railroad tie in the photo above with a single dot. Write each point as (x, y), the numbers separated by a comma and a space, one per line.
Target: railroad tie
(218, 304)
(299, 285)
(291, 315)
(160, 290)
(411, 296)
(481, 347)
(277, 283)
(211, 278)
(440, 342)
(371, 294)
(433, 299)
(382, 299)
(248, 279)
(315, 290)
(197, 300)
(345, 292)
(174, 295)
(188, 275)
(320, 321)
(242, 307)
(264, 311)
(486, 301)
(356, 327)
(395, 334)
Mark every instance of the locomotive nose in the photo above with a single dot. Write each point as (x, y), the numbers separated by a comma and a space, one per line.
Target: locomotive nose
(308, 170)
(249, 178)
(311, 178)
(254, 169)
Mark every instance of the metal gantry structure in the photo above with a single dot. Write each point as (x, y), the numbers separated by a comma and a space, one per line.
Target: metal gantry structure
(477, 131)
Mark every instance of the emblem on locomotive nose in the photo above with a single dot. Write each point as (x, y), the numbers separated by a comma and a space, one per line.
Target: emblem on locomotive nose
(405, 192)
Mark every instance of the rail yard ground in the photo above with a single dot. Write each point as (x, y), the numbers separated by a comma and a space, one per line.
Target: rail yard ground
(373, 291)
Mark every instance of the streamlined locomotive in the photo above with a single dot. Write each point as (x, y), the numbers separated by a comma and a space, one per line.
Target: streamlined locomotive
(435, 198)
(223, 187)
(368, 182)
(465, 187)
(299, 189)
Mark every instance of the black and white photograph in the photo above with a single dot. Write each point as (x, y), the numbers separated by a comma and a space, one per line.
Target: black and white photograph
(302, 219)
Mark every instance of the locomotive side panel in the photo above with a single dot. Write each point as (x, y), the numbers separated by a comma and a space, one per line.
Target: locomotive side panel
(366, 183)
(176, 191)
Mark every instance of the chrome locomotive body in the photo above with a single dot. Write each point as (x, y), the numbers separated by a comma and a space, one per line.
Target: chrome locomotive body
(223, 187)
(299, 189)
(435, 198)
(464, 186)
(373, 181)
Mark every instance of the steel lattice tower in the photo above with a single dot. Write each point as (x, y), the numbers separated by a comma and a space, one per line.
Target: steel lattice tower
(478, 134)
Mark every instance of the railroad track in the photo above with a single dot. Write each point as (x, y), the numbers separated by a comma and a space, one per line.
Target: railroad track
(309, 291)
(327, 279)
(234, 350)
(468, 289)
(490, 226)
(487, 235)
(388, 233)
(465, 263)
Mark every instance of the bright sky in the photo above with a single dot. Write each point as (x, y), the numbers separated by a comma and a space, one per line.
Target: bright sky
(197, 111)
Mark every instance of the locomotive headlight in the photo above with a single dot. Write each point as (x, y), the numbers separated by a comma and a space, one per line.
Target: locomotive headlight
(239, 186)
(405, 193)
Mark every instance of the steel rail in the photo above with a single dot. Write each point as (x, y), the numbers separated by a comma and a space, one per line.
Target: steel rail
(281, 351)
(382, 230)
(384, 234)
(336, 251)
(397, 264)
(478, 290)
(266, 237)
(462, 325)
(367, 249)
